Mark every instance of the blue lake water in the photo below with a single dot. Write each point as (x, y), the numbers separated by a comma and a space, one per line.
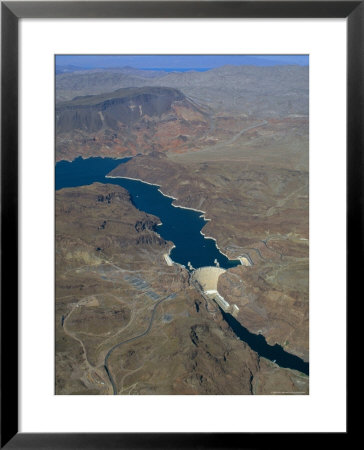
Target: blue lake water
(81, 172)
(179, 225)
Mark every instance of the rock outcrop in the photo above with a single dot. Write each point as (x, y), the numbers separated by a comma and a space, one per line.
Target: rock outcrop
(126, 122)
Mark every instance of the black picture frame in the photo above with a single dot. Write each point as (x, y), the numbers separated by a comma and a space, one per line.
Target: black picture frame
(11, 12)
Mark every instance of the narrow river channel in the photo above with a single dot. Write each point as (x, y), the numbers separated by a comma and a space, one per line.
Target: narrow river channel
(257, 342)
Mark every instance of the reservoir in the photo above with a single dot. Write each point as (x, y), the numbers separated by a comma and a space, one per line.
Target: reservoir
(182, 226)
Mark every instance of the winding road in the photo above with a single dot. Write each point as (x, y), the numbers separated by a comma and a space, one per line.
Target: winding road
(115, 392)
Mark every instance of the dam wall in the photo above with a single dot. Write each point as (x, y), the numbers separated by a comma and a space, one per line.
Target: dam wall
(207, 277)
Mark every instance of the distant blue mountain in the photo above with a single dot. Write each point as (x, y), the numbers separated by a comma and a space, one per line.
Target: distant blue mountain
(69, 68)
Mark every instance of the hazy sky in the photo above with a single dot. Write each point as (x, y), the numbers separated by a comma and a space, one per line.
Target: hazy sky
(178, 61)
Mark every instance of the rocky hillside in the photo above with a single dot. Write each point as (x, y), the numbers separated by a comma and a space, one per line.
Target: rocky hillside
(126, 122)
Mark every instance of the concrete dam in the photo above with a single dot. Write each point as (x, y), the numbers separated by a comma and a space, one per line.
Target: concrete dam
(206, 279)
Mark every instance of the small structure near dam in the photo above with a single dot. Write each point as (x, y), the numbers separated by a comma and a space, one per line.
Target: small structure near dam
(205, 279)
(168, 259)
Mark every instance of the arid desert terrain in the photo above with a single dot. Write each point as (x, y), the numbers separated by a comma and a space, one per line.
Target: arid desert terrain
(231, 142)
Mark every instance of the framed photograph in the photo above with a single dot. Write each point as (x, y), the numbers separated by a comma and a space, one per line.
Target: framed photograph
(181, 197)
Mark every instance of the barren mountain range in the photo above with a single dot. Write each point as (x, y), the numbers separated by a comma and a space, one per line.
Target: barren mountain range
(264, 91)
